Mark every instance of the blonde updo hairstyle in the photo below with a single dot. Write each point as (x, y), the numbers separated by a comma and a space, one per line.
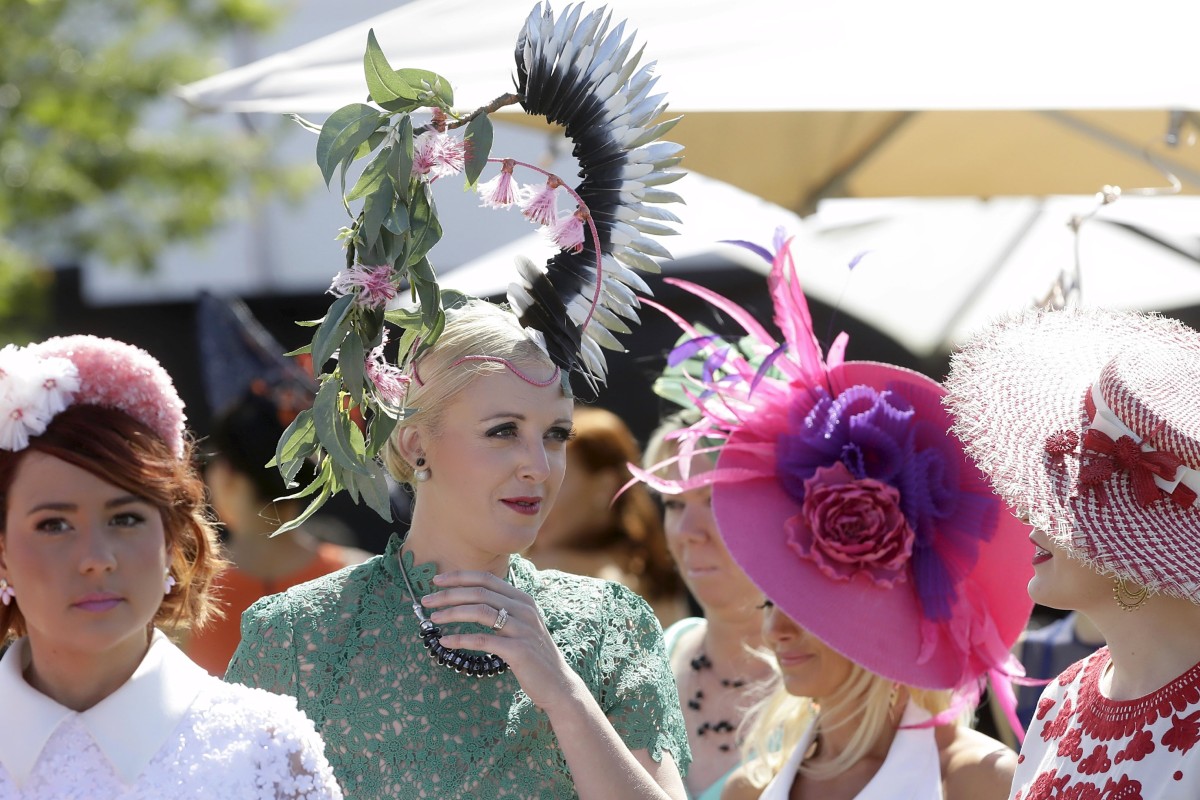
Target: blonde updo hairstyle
(474, 328)
(867, 703)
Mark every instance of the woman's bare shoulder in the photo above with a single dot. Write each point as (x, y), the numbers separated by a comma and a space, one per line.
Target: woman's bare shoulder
(975, 766)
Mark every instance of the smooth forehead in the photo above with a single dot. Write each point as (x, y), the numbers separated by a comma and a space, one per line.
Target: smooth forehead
(41, 477)
(502, 392)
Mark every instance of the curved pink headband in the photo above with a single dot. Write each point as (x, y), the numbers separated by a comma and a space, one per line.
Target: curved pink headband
(497, 360)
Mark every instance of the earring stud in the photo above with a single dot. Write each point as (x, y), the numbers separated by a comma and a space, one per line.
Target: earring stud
(7, 592)
(421, 473)
(168, 582)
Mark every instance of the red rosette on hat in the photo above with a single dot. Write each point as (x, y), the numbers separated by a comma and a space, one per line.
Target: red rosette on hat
(1086, 422)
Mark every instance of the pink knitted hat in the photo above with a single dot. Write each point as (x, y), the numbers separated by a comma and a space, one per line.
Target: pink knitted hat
(1086, 421)
(39, 381)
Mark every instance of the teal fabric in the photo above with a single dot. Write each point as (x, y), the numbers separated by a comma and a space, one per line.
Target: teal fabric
(671, 637)
(396, 724)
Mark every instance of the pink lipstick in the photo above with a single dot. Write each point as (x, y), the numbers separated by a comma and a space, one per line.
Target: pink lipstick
(529, 506)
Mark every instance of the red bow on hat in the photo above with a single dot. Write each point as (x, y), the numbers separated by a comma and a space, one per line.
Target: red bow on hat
(1126, 455)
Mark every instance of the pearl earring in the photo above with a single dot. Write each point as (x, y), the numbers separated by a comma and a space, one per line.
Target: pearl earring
(421, 473)
(7, 592)
(168, 582)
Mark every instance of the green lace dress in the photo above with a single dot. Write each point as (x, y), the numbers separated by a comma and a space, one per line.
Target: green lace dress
(396, 724)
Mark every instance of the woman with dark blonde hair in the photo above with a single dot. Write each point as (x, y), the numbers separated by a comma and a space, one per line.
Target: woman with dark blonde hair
(104, 542)
(589, 533)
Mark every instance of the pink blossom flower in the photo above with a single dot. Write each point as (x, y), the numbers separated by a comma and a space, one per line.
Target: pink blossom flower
(850, 527)
(436, 155)
(372, 285)
(500, 192)
(389, 381)
(539, 206)
(568, 233)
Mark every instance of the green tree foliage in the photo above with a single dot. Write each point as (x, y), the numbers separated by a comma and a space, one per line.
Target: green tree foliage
(95, 158)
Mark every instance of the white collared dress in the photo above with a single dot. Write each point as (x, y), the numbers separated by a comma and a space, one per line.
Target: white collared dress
(911, 771)
(171, 731)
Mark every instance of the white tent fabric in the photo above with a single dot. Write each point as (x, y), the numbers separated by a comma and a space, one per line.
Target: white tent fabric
(929, 272)
(779, 55)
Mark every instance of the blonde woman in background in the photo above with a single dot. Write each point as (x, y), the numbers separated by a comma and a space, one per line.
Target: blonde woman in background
(713, 657)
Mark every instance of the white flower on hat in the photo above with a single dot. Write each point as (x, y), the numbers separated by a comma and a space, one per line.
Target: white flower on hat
(32, 391)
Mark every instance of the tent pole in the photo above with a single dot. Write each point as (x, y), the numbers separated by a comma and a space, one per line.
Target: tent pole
(835, 182)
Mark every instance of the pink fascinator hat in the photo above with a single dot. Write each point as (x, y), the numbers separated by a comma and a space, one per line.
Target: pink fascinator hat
(1087, 422)
(840, 492)
(40, 381)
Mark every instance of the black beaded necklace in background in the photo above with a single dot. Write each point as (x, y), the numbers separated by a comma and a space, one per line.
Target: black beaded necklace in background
(722, 726)
(477, 666)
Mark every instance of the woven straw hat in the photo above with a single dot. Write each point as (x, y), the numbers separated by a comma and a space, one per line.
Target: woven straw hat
(1087, 423)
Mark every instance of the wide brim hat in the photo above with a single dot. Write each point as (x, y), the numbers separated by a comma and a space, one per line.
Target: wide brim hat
(881, 625)
(1086, 421)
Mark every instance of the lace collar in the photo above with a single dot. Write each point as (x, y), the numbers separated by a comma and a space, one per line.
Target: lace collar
(395, 559)
(157, 696)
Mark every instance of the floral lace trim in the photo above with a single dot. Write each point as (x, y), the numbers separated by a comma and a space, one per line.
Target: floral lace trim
(1104, 719)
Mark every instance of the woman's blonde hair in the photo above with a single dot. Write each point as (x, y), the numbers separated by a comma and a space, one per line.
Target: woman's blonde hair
(474, 328)
(772, 729)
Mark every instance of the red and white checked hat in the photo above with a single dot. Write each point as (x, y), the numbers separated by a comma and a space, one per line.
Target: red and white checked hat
(1087, 421)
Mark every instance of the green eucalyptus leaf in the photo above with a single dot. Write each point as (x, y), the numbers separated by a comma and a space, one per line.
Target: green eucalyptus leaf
(351, 363)
(380, 428)
(342, 133)
(405, 89)
(370, 327)
(422, 271)
(426, 230)
(431, 308)
(375, 492)
(453, 298)
(294, 443)
(378, 206)
(333, 330)
(397, 221)
(323, 475)
(322, 496)
(404, 158)
(333, 427)
(374, 176)
(403, 317)
(299, 351)
(478, 140)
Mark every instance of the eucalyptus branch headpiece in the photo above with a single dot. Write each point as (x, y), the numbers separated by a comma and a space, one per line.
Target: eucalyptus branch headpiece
(576, 71)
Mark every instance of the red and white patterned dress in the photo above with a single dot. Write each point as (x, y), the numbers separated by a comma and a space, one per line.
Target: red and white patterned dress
(1083, 746)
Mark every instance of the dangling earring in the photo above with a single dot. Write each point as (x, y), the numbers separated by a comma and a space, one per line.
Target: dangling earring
(422, 472)
(1128, 599)
(7, 592)
(168, 582)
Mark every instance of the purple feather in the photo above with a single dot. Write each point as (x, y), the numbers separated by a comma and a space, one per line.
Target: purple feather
(689, 348)
(757, 249)
(765, 367)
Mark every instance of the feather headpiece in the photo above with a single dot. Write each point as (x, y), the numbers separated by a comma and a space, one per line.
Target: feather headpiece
(576, 70)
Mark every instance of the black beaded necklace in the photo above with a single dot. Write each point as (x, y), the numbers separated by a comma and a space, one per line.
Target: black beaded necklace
(722, 726)
(473, 664)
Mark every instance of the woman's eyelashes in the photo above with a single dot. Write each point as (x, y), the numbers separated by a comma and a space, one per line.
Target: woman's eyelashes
(123, 519)
(509, 430)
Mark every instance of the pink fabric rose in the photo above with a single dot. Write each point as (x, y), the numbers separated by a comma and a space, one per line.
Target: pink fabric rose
(851, 527)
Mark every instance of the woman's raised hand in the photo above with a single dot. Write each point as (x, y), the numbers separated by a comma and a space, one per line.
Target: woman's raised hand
(518, 634)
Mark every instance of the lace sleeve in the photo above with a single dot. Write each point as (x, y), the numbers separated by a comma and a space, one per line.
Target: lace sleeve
(638, 693)
(266, 656)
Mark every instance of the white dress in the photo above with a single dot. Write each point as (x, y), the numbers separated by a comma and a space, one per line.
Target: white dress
(1085, 746)
(911, 771)
(171, 731)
